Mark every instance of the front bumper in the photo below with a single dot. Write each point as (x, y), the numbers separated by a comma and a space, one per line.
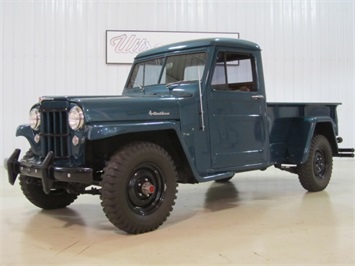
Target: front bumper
(47, 171)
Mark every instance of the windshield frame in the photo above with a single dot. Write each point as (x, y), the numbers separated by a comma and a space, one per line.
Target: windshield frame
(132, 84)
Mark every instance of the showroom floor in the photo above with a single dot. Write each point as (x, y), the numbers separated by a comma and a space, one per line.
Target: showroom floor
(257, 218)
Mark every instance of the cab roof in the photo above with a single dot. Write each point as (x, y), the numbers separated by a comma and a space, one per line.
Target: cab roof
(179, 46)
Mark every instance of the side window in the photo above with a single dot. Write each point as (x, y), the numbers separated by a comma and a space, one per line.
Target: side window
(234, 72)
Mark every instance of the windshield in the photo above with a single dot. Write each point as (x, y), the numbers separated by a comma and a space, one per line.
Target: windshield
(185, 67)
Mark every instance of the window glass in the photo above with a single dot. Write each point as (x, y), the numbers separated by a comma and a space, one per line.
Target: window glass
(183, 67)
(146, 73)
(234, 72)
(219, 79)
(186, 67)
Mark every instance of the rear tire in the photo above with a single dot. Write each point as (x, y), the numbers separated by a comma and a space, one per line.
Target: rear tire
(139, 187)
(315, 173)
(33, 190)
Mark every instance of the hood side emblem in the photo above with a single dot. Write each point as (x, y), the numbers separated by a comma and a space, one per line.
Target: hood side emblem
(154, 113)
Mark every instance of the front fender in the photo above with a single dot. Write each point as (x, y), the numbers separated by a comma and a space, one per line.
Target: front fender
(102, 131)
(27, 132)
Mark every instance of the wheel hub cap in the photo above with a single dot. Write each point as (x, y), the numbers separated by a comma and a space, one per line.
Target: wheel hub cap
(148, 189)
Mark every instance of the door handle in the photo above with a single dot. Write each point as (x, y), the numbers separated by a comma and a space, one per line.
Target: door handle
(257, 97)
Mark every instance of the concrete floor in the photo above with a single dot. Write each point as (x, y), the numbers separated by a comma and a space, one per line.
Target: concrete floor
(257, 218)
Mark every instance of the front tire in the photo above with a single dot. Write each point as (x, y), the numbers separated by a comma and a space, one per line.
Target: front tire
(139, 187)
(33, 190)
(314, 175)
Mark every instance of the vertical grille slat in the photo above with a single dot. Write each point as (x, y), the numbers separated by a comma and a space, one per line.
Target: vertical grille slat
(55, 132)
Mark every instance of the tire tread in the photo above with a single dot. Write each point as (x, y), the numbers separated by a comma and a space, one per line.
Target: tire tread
(305, 171)
(112, 178)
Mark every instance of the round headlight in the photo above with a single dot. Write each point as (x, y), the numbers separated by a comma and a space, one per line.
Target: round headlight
(76, 118)
(35, 118)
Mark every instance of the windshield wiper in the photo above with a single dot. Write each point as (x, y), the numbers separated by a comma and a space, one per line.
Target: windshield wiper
(140, 86)
(175, 84)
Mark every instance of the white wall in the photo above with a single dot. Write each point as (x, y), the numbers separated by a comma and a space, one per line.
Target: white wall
(58, 47)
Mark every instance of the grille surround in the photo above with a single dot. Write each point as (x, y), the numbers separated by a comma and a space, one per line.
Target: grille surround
(54, 130)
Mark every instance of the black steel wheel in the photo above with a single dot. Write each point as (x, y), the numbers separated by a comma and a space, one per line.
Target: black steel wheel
(33, 190)
(315, 173)
(139, 187)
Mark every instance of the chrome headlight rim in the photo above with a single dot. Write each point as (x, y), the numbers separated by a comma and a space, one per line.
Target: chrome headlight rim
(35, 118)
(76, 118)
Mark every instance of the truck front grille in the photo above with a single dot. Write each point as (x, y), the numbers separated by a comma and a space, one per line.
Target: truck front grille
(55, 133)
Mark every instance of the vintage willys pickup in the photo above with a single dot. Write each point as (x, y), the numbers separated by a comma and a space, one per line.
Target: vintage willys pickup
(190, 112)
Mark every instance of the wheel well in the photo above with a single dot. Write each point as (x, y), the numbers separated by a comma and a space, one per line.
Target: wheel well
(98, 152)
(326, 129)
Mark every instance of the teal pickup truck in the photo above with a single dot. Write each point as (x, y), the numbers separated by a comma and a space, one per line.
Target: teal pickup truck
(190, 112)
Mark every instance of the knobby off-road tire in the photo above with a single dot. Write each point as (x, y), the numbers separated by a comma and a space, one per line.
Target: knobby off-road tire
(57, 199)
(139, 187)
(315, 173)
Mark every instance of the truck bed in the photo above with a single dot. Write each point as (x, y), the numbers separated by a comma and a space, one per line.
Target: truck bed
(291, 124)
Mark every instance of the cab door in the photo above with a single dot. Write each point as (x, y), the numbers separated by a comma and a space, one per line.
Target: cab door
(237, 117)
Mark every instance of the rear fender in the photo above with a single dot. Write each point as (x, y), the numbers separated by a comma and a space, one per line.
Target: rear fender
(301, 134)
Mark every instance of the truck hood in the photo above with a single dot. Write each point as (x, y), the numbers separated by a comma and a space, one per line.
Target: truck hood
(125, 108)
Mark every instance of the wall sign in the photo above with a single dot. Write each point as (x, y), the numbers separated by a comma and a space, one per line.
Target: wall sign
(123, 46)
